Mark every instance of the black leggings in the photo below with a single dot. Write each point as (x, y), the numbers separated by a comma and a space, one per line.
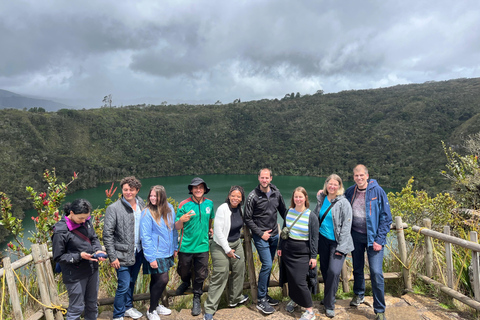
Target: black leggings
(158, 283)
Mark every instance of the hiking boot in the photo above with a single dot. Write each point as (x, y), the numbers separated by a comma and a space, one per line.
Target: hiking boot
(330, 313)
(196, 309)
(273, 302)
(133, 313)
(208, 316)
(290, 306)
(153, 315)
(307, 315)
(380, 316)
(244, 299)
(264, 306)
(182, 288)
(357, 300)
(163, 310)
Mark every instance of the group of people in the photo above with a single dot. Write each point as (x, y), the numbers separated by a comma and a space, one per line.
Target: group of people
(152, 235)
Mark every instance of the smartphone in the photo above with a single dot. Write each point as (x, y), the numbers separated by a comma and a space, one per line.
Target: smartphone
(236, 256)
(99, 255)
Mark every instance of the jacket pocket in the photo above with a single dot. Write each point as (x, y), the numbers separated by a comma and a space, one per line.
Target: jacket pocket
(121, 247)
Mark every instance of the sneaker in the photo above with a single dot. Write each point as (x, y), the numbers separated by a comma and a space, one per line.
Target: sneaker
(208, 316)
(273, 302)
(120, 318)
(380, 316)
(290, 306)
(330, 313)
(153, 315)
(133, 313)
(182, 288)
(357, 300)
(163, 310)
(307, 315)
(264, 306)
(244, 299)
(196, 309)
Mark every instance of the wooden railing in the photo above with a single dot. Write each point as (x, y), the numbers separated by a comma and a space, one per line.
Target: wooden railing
(49, 295)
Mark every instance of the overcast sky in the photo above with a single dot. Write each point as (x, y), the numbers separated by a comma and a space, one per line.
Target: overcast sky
(205, 50)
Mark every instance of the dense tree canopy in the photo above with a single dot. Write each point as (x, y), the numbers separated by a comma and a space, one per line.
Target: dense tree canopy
(396, 132)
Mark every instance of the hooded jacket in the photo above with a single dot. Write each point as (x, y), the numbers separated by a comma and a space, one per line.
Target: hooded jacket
(119, 232)
(67, 247)
(342, 221)
(379, 217)
(261, 211)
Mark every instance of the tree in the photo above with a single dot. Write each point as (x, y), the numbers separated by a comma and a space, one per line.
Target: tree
(107, 101)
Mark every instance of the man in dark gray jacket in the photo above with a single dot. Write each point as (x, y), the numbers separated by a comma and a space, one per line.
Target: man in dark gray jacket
(122, 243)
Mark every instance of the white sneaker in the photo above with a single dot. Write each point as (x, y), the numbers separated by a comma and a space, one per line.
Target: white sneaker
(163, 310)
(133, 313)
(121, 318)
(153, 315)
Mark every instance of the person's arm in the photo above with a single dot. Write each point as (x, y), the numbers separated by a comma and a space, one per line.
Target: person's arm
(384, 217)
(220, 218)
(249, 215)
(282, 208)
(110, 222)
(175, 232)
(183, 217)
(146, 227)
(346, 228)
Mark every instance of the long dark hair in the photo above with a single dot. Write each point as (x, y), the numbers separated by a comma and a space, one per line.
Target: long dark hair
(161, 209)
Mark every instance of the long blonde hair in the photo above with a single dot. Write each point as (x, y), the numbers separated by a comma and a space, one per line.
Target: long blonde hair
(161, 209)
(340, 190)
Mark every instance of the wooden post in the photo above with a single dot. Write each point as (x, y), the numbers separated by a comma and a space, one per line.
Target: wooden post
(252, 278)
(12, 289)
(50, 280)
(427, 223)
(402, 248)
(42, 284)
(344, 274)
(448, 258)
(476, 269)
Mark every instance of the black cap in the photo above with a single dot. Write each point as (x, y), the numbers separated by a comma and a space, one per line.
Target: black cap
(195, 182)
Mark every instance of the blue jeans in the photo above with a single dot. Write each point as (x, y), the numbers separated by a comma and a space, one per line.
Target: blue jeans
(127, 276)
(375, 260)
(266, 252)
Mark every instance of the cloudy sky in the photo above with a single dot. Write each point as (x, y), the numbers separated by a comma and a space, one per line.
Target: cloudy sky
(206, 50)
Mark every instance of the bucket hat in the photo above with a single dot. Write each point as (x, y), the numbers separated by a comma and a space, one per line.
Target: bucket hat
(195, 182)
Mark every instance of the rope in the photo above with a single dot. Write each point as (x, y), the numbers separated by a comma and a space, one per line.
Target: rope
(3, 294)
(60, 308)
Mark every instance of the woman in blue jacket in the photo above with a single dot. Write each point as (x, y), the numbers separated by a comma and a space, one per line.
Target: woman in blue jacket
(160, 245)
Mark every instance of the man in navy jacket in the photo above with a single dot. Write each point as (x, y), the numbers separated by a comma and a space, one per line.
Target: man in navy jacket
(370, 225)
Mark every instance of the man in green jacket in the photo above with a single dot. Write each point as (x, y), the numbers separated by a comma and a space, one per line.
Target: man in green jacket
(194, 219)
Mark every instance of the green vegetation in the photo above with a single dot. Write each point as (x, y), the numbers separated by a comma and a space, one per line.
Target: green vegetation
(396, 132)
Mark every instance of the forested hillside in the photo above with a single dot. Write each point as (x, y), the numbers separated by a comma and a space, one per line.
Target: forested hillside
(396, 132)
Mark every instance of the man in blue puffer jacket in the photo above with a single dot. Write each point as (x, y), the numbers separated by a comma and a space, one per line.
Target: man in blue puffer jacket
(370, 225)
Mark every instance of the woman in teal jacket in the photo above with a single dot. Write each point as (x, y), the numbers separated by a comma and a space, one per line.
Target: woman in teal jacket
(160, 244)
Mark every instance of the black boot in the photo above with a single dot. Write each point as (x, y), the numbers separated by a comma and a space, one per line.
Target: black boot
(196, 309)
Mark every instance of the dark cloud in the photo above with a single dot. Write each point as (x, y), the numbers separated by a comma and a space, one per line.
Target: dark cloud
(210, 50)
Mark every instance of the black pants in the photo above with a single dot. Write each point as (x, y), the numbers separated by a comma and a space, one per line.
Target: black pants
(331, 266)
(200, 269)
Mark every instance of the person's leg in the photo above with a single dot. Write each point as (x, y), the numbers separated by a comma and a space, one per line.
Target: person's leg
(123, 278)
(237, 275)
(273, 243)
(263, 249)
(184, 268)
(158, 284)
(91, 294)
(358, 258)
(375, 260)
(333, 277)
(76, 302)
(218, 280)
(200, 265)
(323, 255)
(133, 278)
